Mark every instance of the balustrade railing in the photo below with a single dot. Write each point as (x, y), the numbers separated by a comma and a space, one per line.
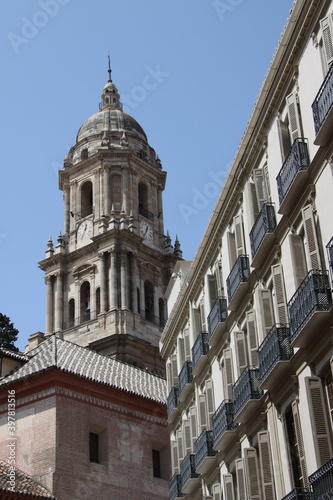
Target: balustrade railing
(200, 348)
(185, 376)
(175, 487)
(275, 347)
(223, 419)
(203, 447)
(299, 494)
(143, 211)
(246, 388)
(218, 314)
(264, 224)
(297, 160)
(187, 469)
(149, 316)
(322, 104)
(322, 482)
(239, 274)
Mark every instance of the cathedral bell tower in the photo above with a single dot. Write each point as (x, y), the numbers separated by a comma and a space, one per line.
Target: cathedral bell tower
(107, 274)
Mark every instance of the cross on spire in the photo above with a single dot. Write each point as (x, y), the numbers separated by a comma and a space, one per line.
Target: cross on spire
(109, 70)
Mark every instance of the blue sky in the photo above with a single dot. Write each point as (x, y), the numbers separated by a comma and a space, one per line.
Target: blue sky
(189, 71)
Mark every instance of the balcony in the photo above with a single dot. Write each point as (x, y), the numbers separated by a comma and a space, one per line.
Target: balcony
(237, 281)
(309, 308)
(299, 494)
(145, 213)
(175, 490)
(204, 453)
(184, 380)
(223, 425)
(188, 474)
(246, 394)
(199, 352)
(329, 248)
(172, 403)
(273, 354)
(293, 175)
(322, 110)
(216, 320)
(149, 316)
(262, 234)
(322, 482)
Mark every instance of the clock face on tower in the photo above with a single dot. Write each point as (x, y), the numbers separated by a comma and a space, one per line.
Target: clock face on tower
(146, 231)
(85, 231)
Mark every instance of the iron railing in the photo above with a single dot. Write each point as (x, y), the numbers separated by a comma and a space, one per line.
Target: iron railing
(85, 317)
(175, 487)
(217, 315)
(185, 376)
(203, 447)
(322, 482)
(246, 388)
(84, 212)
(200, 348)
(264, 224)
(149, 316)
(187, 469)
(223, 419)
(297, 160)
(299, 494)
(322, 104)
(172, 400)
(275, 347)
(143, 211)
(239, 274)
(105, 102)
(329, 247)
(314, 294)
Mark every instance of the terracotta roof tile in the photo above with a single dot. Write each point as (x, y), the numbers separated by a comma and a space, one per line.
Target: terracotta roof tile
(24, 484)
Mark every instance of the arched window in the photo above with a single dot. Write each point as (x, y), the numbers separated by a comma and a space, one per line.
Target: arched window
(86, 199)
(143, 200)
(149, 301)
(116, 192)
(138, 298)
(161, 312)
(85, 301)
(71, 313)
(98, 300)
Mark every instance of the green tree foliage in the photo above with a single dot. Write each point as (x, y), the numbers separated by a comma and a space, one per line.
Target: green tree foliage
(8, 334)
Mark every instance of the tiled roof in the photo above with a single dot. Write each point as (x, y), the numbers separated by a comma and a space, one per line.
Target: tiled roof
(24, 484)
(12, 354)
(88, 364)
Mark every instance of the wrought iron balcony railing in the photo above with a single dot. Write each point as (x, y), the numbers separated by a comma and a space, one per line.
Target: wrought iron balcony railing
(299, 494)
(172, 400)
(175, 487)
(314, 294)
(187, 470)
(264, 224)
(85, 317)
(246, 388)
(297, 160)
(185, 376)
(322, 482)
(239, 274)
(329, 247)
(200, 348)
(203, 447)
(322, 104)
(218, 314)
(143, 211)
(223, 420)
(275, 347)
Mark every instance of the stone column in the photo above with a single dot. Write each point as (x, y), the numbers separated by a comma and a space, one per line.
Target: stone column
(106, 191)
(59, 302)
(104, 284)
(77, 312)
(92, 295)
(123, 280)
(134, 282)
(67, 207)
(49, 305)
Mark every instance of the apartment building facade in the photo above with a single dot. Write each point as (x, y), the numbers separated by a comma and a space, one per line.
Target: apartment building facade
(248, 343)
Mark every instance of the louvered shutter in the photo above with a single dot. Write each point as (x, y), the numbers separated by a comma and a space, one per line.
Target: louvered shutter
(252, 470)
(197, 320)
(239, 235)
(210, 401)
(241, 354)
(203, 317)
(266, 309)
(294, 119)
(193, 424)
(266, 466)
(299, 443)
(326, 27)
(298, 258)
(228, 373)
(319, 420)
(218, 278)
(228, 487)
(280, 293)
(266, 181)
(174, 370)
(216, 490)
(179, 436)
(187, 436)
(331, 363)
(212, 290)
(202, 412)
(175, 463)
(311, 236)
(240, 476)
(252, 337)
(181, 350)
(260, 185)
(284, 138)
(187, 345)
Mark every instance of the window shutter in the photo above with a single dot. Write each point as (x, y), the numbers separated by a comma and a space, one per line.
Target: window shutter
(239, 235)
(298, 258)
(284, 138)
(175, 463)
(326, 27)
(216, 491)
(311, 236)
(218, 278)
(319, 420)
(193, 423)
(228, 487)
(231, 248)
(212, 289)
(228, 376)
(174, 370)
(202, 412)
(197, 320)
(203, 317)
(294, 119)
(187, 436)
(250, 459)
(252, 337)
(187, 345)
(265, 458)
(266, 308)
(266, 181)
(241, 354)
(210, 401)
(299, 443)
(281, 302)
(260, 185)
(179, 436)
(240, 475)
(181, 350)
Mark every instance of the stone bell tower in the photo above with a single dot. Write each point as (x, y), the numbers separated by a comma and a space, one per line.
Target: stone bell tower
(107, 274)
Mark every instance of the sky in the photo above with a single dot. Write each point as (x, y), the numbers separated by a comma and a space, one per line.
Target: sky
(189, 71)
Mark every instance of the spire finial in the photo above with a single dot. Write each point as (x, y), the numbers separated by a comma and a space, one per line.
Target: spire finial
(109, 69)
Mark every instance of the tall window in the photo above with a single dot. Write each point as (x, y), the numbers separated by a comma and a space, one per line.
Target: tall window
(71, 312)
(149, 301)
(143, 199)
(116, 192)
(86, 199)
(85, 301)
(93, 447)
